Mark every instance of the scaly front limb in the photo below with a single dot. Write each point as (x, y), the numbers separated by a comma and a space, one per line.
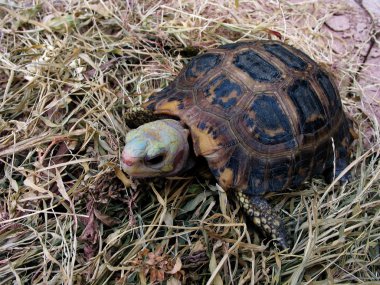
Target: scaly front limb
(263, 216)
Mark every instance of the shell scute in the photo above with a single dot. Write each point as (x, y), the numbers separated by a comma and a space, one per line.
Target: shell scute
(209, 132)
(199, 67)
(309, 107)
(257, 67)
(238, 163)
(170, 101)
(302, 165)
(257, 182)
(279, 171)
(223, 91)
(267, 122)
(287, 57)
(329, 90)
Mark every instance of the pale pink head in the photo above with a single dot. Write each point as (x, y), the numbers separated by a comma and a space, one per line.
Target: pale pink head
(159, 148)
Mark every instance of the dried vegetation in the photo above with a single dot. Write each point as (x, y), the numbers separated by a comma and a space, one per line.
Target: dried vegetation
(69, 70)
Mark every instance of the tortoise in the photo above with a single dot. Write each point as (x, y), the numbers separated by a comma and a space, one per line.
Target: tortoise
(263, 114)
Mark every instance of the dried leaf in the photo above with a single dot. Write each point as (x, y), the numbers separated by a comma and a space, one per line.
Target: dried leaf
(177, 266)
(168, 219)
(60, 23)
(212, 266)
(105, 219)
(193, 203)
(100, 9)
(29, 182)
(91, 231)
(223, 199)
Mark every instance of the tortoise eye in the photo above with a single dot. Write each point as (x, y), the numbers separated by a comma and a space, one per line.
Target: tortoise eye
(154, 160)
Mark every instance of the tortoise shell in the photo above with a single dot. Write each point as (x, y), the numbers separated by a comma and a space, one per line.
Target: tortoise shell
(263, 114)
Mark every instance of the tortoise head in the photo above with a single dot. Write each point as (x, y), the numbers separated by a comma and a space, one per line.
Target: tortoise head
(158, 148)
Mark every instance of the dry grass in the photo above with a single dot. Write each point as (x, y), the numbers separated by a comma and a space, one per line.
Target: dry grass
(69, 70)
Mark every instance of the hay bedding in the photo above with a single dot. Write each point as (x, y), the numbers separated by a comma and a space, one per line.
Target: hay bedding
(69, 70)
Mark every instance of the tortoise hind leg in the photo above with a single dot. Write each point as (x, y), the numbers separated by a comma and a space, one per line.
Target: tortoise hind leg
(262, 215)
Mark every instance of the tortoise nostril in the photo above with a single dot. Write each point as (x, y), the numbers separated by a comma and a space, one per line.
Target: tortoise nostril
(127, 160)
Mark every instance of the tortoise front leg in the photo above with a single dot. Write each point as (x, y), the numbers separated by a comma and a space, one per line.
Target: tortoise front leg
(137, 116)
(262, 214)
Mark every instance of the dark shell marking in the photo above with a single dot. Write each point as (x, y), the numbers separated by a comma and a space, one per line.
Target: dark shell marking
(309, 107)
(287, 57)
(200, 65)
(263, 114)
(223, 91)
(267, 122)
(329, 90)
(257, 67)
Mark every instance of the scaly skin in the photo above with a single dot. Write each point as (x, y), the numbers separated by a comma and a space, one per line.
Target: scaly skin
(263, 216)
(137, 116)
